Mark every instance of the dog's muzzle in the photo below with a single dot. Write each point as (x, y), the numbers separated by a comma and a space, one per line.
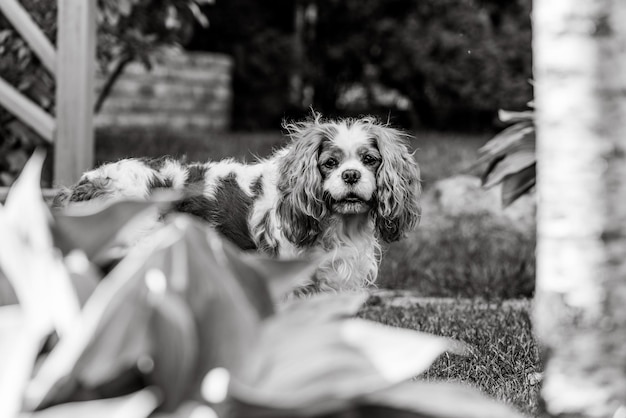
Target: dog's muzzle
(350, 205)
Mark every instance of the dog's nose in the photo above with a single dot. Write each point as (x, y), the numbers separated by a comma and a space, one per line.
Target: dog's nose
(351, 176)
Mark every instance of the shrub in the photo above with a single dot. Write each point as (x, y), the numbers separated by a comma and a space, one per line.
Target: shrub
(457, 61)
(21, 68)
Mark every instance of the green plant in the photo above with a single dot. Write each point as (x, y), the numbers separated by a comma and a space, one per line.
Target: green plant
(185, 324)
(510, 157)
(20, 68)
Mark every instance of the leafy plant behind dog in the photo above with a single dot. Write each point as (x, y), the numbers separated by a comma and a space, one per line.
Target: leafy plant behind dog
(510, 157)
(186, 324)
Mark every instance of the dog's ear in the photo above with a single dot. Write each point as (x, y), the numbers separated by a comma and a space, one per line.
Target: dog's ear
(398, 185)
(301, 205)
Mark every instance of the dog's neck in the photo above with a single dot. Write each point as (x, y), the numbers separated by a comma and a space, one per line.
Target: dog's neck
(340, 230)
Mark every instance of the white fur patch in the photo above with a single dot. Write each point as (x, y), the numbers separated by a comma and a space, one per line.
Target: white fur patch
(174, 171)
(350, 138)
(247, 175)
(128, 178)
(264, 205)
(215, 173)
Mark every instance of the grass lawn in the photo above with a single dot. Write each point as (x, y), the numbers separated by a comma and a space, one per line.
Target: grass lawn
(503, 361)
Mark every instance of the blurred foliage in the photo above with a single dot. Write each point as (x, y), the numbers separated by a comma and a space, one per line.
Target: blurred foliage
(185, 324)
(259, 37)
(456, 61)
(127, 30)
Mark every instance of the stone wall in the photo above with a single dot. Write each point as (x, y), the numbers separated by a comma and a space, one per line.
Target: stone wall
(183, 91)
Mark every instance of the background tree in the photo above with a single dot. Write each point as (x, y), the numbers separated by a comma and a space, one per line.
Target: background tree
(581, 121)
(259, 38)
(457, 62)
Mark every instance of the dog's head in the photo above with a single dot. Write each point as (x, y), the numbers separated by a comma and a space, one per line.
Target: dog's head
(347, 167)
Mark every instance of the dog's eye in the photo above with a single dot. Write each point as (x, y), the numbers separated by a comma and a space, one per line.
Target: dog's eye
(369, 160)
(330, 163)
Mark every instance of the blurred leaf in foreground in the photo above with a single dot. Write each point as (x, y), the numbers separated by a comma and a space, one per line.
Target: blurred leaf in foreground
(140, 404)
(93, 227)
(20, 341)
(28, 258)
(311, 367)
(46, 296)
(267, 280)
(200, 306)
(435, 399)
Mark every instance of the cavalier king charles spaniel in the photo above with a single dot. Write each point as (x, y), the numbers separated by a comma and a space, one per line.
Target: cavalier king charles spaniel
(335, 192)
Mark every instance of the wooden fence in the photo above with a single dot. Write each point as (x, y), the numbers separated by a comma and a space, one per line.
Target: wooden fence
(72, 64)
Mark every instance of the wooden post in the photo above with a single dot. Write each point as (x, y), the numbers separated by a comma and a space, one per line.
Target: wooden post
(76, 40)
(579, 49)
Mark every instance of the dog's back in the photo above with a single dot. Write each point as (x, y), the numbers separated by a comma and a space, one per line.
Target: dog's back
(221, 193)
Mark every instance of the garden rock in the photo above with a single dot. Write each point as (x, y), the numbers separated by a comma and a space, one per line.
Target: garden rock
(464, 195)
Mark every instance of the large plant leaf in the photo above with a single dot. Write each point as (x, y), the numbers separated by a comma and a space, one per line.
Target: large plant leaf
(7, 294)
(431, 399)
(508, 116)
(140, 404)
(321, 308)
(517, 184)
(513, 162)
(28, 258)
(20, 342)
(265, 280)
(110, 336)
(510, 156)
(505, 141)
(323, 367)
(175, 348)
(92, 227)
(227, 321)
(118, 323)
(84, 275)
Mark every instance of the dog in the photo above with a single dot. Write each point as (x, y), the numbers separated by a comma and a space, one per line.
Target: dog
(337, 191)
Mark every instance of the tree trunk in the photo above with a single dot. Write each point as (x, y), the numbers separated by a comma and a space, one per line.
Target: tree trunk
(580, 95)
